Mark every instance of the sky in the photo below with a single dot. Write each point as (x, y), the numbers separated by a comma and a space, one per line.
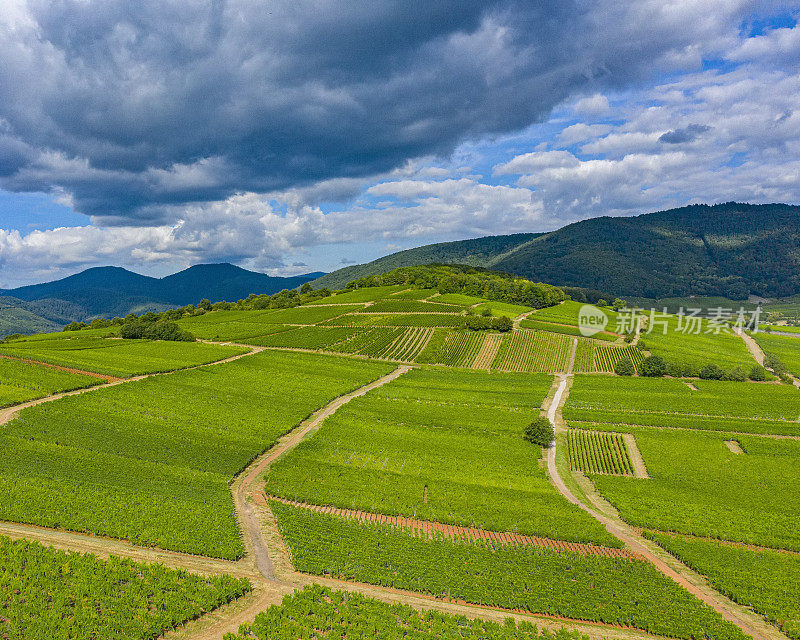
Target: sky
(290, 136)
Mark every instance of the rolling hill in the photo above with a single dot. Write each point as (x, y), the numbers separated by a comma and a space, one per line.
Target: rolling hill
(114, 291)
(729, 249)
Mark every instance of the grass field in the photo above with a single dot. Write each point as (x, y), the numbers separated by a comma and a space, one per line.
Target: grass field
(119, 357)
(611, 590)
(766, 580)
(715, 405)
(48, 594)
(697, 486)
(150, 461)
(22, 381)
(438, 445)
(503, 309)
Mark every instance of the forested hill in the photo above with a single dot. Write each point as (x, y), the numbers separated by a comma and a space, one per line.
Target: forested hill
(113, 291)
(730, 249)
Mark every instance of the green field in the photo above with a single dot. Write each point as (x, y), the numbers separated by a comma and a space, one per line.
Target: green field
(567, 313)
(498, 309)
(307, 337)
(22, 381)
(344, 614)
(526, 350)
(698, 487)
(716, 405)
(611, 590)
(786, 348)
(453, 348)
(150, 461)
(119, 357)
(766, 580)
(410, 306)
(438, 445)
(48, 594)
(695, 350)
(367, 294)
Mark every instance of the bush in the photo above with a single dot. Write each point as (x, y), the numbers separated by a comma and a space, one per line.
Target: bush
(711, 372)
(482, 323)
(653, 367)
(757, 373)
(736, 375)
(540, 432)
(161, 330)
(503, 323)
(486, 313)
(624, 367)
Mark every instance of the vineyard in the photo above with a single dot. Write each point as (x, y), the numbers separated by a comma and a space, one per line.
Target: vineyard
(439, 445)
(119, 357)
(408, 345)
(453, 348)
(527, 350)
(150, 461)
(46, 594)
(787, 349)
(699, 487)
(307, 337)
(22, 381)
(367, 294)
(413, 294)
(610, 590)
(344, 614)
(605, 358)
(503, 309)
(599, 452)
(569, 330)
(715, 405)
(410, 306)
(767, 580)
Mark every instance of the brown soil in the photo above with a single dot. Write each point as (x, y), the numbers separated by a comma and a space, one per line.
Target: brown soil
(639, 468)
(488, 351)
(734, 446)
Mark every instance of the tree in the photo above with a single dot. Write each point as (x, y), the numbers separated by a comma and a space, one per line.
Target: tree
(624, 367)
(540, 432)
(653, 367)
(736, 374)
(205, 304)
(711, 372)
(618, 304)
(306, 288)
(757, 373)
(602, 303)
(503, 323)
(486, 312)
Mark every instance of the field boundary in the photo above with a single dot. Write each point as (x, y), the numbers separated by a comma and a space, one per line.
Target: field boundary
(431, 529)
(40, 363)
(635, 456)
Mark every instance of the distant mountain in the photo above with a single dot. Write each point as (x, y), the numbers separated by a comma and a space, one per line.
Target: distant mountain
(114, 291)
(731, 250)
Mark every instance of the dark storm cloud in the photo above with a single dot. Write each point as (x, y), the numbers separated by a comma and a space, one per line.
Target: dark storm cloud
(134, 107)
(687, 134)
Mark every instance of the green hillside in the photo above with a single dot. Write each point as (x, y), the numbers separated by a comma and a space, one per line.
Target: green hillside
(730, 250)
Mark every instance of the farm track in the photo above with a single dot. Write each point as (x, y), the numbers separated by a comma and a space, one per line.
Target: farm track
(749, 622)
(430, 529)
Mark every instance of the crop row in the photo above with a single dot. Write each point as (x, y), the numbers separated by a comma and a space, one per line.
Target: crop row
(609, 590)
(397, 320)
(454, 348)
(605, 358)
(569, 330)
(307, 337)
(526, 350)
(23, 381)
(599, 452)
(55, 594)
(409, 345)
(346, 614)
(410, 306)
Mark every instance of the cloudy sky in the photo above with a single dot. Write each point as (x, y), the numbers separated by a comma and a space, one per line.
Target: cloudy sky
(290, 136)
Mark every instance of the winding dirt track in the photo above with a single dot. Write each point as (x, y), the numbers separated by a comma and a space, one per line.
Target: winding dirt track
(750, 623)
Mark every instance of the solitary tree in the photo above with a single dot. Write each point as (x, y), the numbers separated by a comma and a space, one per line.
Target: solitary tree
(540, 432)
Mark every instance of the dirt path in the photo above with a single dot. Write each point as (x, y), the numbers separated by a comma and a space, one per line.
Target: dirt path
(488, 351)
(635, 456)
(749, 622)
(430, 529)
(752, 345)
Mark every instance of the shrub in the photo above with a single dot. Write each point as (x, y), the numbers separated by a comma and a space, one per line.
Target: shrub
(624, 367)
(503, 323)
(653, 367)
(757, 373)
(711, 372)
(602, 303)
(161, 330)
(486, 313)
(540, 432)
(737, 375)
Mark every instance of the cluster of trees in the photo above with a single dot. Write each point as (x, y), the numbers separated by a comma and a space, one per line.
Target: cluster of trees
(486, 321)
(656, 366)
(472, 281)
